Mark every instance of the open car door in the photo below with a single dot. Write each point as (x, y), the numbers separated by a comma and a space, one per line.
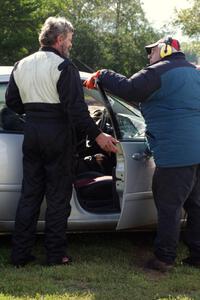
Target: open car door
(134, 172)
(134, 168)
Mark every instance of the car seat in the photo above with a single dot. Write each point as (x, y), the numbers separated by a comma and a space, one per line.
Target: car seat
(96, 192)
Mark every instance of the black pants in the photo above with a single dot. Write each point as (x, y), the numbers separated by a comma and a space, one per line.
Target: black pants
(46, 172)
(174, 188)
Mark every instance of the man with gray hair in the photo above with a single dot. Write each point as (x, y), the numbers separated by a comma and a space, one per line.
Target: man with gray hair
(47, 87)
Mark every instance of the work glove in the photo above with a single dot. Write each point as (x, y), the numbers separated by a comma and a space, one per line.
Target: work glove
(91, 82)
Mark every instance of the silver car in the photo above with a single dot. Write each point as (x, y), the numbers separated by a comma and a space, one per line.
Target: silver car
(110, 192)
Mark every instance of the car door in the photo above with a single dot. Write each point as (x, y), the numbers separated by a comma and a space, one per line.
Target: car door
(134, 168)
(134, 172)
(10, 174)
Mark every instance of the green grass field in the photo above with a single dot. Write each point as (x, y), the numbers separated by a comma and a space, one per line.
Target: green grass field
(106, 267)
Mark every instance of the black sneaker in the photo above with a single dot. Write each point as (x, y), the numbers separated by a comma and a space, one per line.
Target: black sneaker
(24, 262)
(158, 265)
(191, 261)
(66, 260)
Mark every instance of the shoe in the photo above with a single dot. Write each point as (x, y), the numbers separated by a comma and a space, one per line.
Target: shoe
(158, 265)
(191, 261)
(24, 262)
(66, 260)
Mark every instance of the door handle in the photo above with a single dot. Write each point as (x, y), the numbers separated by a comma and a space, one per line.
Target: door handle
(141, 156)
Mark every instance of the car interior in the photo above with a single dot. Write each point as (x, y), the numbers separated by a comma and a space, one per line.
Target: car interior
(94, 182)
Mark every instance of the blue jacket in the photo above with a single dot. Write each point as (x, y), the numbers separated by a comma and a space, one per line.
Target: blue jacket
(169, 94)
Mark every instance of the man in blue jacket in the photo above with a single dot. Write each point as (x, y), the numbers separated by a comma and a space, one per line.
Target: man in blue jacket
(168, 91)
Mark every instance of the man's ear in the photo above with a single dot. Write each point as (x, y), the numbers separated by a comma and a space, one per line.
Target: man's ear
(59, 39)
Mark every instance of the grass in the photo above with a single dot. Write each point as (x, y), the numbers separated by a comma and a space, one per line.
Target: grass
(106, 267)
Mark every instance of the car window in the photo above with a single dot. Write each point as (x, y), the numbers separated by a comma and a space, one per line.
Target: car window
(2, 94)
(2, 101)
(130, 121)
(10, 122)
(93, 102)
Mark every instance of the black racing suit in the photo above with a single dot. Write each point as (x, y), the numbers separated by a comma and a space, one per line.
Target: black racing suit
(48, 146)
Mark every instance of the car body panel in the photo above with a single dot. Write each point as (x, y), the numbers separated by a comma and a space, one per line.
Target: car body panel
(10, 178)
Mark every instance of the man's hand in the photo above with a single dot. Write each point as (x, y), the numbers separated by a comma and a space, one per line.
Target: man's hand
(90, 83)
(198, 67)
(107, 142)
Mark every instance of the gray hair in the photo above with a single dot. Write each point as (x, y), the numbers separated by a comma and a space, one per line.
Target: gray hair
(52, 28)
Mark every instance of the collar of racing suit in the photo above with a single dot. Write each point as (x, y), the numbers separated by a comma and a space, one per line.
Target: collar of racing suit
(51, 49)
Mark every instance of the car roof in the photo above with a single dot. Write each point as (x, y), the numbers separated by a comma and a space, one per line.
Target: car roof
(5, 72)
(84, 75)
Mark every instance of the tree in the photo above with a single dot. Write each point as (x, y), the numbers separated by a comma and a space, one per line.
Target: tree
(124, 32)
(108, 33)
(189, 19)
(192, 51)
(18, 33)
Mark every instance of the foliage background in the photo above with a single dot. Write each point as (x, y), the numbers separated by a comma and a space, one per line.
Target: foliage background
(108, 33)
